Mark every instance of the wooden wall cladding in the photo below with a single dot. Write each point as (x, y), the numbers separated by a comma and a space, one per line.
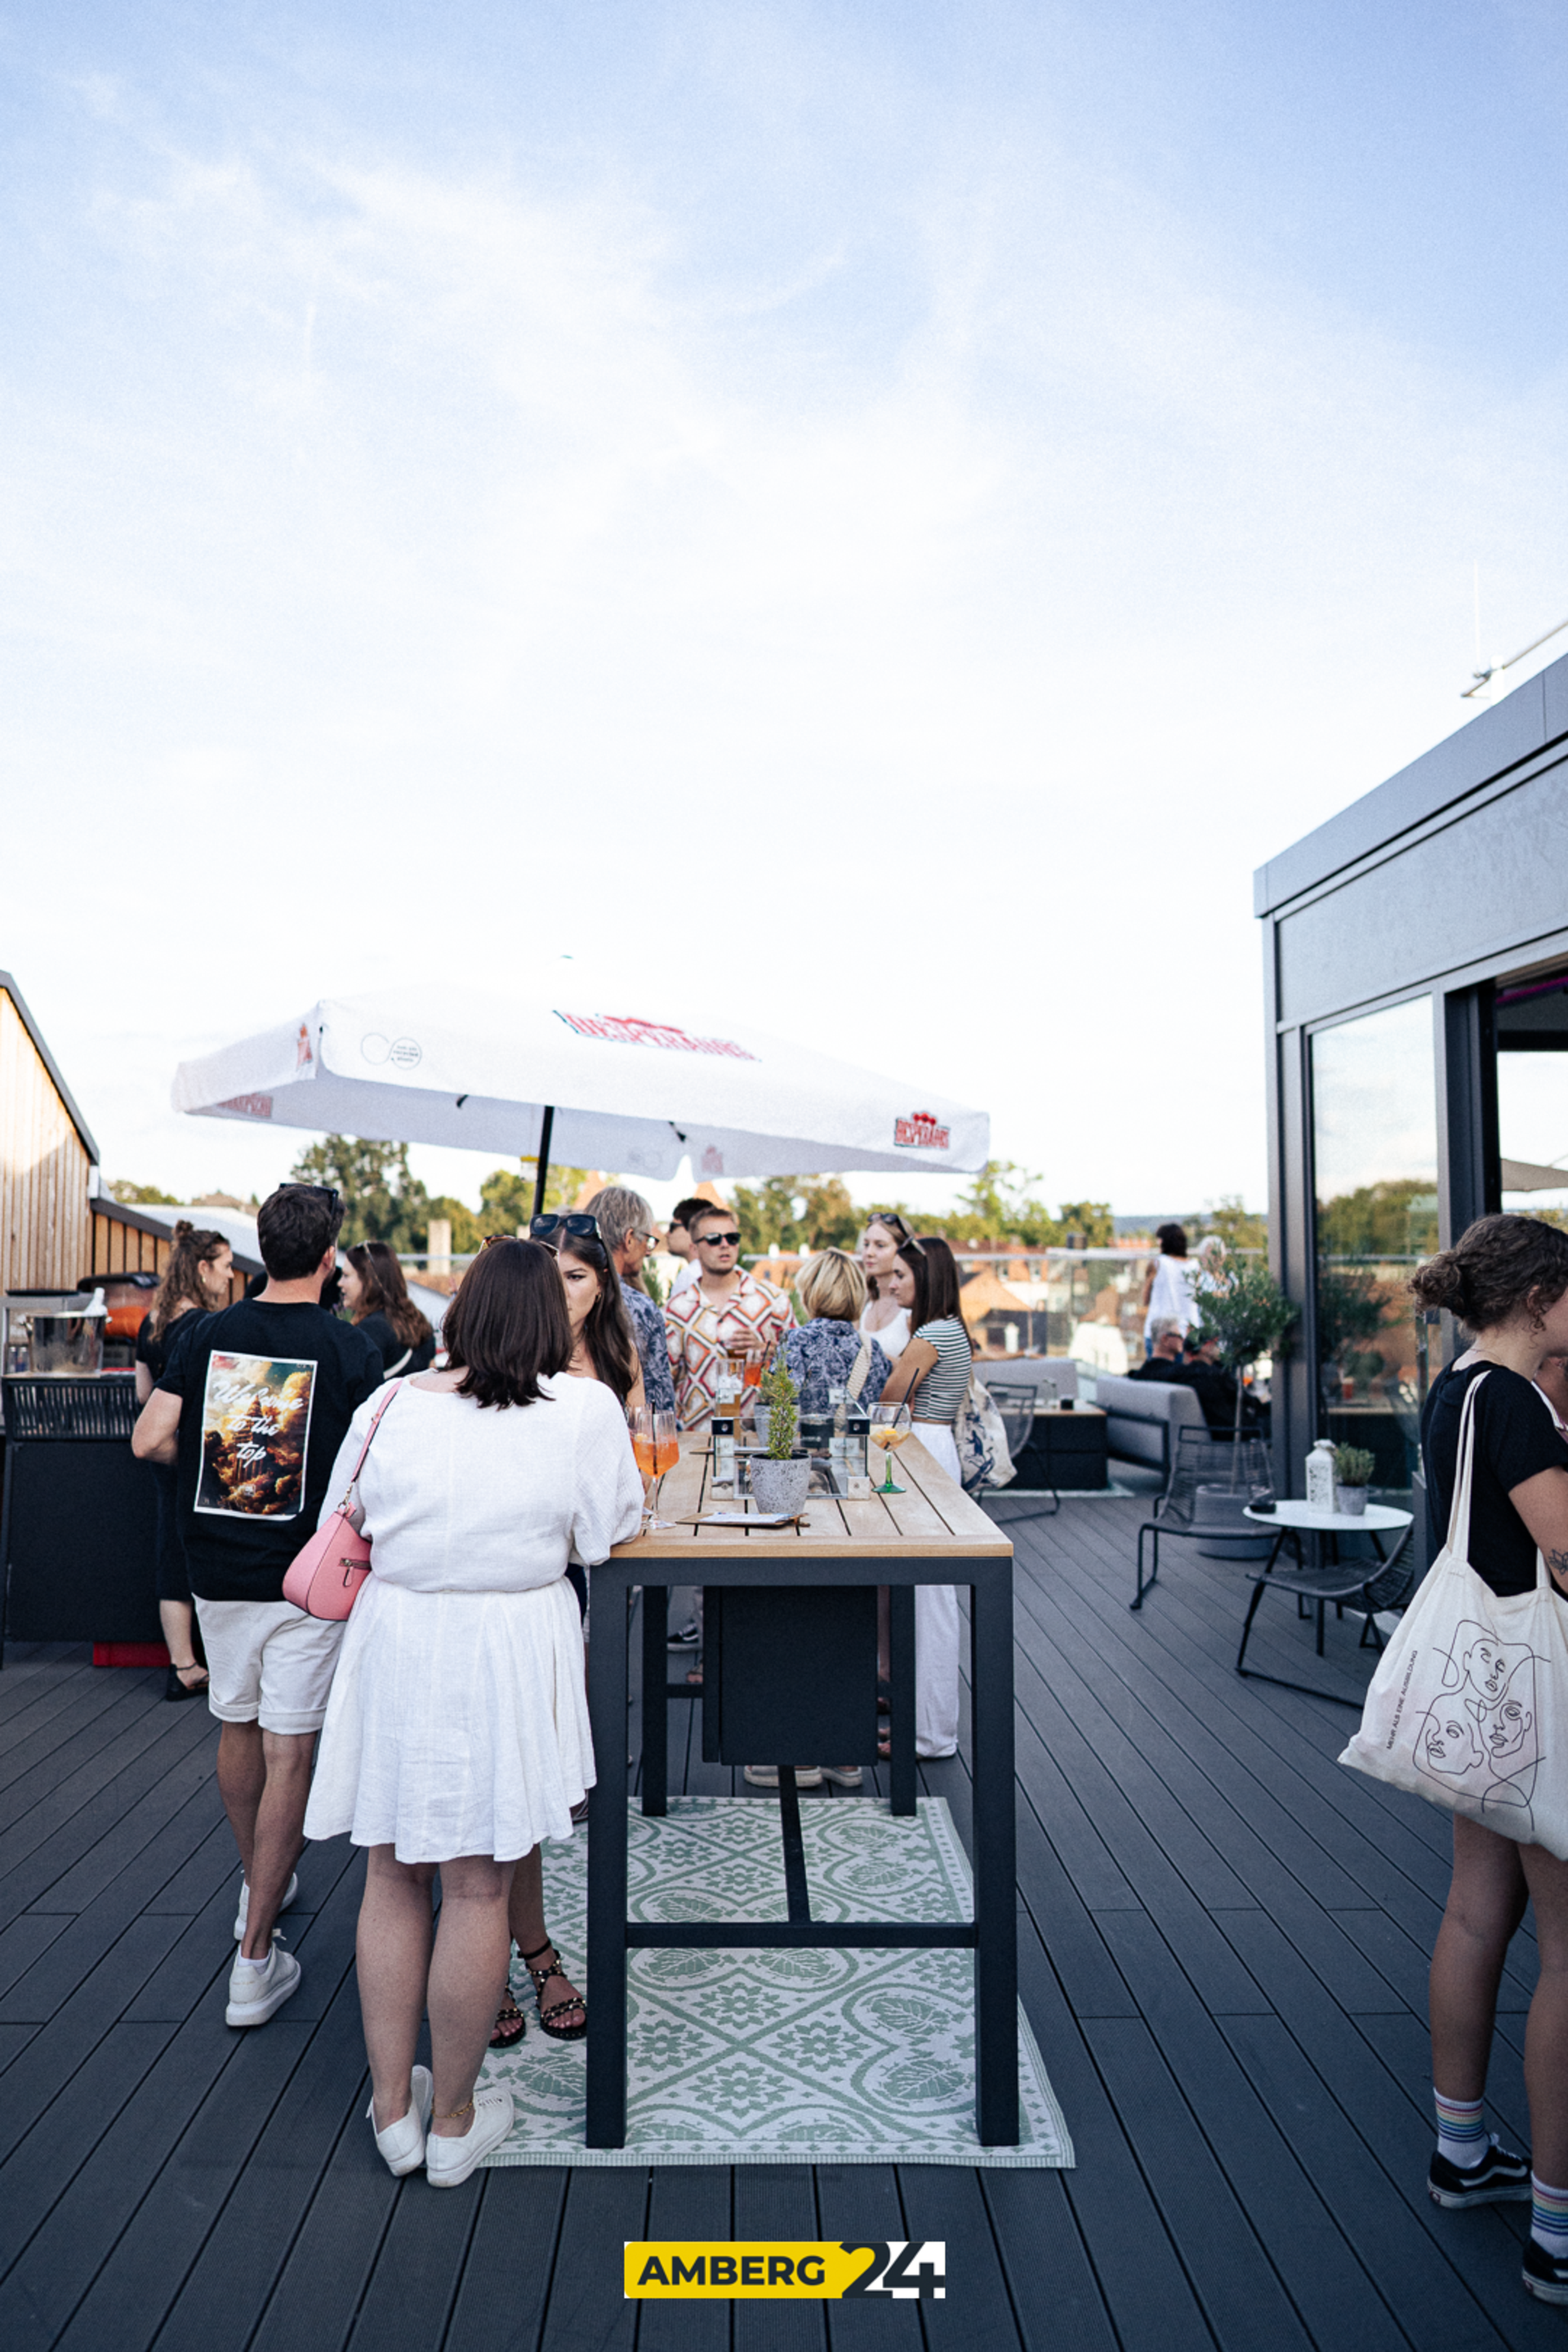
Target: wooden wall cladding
(44, 1235)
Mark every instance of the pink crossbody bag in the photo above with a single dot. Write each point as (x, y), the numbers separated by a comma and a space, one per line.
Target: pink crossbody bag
(325, 1577)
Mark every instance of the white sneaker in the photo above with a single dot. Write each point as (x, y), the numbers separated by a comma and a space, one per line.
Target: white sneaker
(402, 2143)
(449, 2162)
(257, 1990)
(766, 1775)
(847, 1776)
(242, 1916)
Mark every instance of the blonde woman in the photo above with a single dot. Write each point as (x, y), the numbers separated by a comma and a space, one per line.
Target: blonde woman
(823, 1352)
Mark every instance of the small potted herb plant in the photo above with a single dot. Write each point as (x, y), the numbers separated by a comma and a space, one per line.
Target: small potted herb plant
(779, 1482)
(1353, 1467)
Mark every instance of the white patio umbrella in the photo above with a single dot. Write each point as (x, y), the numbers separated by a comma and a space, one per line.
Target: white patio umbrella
(557, 1072)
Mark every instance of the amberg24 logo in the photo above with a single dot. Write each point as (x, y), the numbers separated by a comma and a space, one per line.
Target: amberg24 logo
(757, 2270)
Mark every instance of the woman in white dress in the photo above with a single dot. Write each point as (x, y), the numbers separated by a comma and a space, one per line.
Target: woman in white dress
(881, 1318)
(456, 1734)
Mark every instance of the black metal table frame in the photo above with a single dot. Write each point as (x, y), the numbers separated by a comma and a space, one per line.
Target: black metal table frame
(1264, 1581)
(992, 1933)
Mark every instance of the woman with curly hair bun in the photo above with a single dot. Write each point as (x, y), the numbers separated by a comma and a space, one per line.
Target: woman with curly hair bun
(1506, 1280)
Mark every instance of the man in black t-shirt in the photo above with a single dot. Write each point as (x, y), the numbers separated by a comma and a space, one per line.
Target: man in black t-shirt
(253, 1405)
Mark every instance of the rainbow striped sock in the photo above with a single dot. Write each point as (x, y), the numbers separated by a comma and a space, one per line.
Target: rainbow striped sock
(1461, 2135)
(1549, 2218)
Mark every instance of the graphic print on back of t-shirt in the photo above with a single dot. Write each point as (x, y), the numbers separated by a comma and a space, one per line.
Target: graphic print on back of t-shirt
(256, 1421)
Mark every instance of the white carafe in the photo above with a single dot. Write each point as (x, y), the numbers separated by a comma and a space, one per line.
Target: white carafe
(1321, 1475)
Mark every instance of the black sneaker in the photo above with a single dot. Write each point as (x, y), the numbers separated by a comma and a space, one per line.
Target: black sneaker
(1501, 2178)
(690, 1635)
(1545, 2274)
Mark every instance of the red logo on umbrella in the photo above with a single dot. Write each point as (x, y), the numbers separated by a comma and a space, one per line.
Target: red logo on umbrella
(620, 1029)
(920, 1132)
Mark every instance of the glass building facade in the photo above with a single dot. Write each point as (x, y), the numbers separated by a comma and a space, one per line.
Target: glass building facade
(1416, 987)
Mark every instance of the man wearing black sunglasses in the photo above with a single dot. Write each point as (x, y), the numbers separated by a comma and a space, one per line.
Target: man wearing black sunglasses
(725, 1312)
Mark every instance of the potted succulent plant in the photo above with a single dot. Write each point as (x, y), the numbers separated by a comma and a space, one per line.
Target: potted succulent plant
(1353, 1467)
(779, 1482)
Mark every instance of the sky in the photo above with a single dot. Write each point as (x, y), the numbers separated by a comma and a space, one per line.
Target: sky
(889, 514)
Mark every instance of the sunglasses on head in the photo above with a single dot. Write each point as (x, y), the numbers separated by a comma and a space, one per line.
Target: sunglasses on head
(576, 1221)
(897, 1227)
(733, 1239)
(327, 1192)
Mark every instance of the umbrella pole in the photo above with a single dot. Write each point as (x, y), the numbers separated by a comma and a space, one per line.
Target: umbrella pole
(543, 1171)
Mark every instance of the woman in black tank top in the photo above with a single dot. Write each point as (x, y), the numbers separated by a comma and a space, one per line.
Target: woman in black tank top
(1507, 1281)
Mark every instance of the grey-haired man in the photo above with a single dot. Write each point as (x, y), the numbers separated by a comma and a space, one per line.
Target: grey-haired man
(626, 1230)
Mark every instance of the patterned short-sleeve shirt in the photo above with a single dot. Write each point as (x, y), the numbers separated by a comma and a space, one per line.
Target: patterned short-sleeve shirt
(701, 1335)
(653, 1348)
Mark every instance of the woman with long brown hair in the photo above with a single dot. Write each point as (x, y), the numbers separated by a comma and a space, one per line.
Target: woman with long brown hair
(1506, 1280)
(195, 1282)
(377, 1296)
(457, 1735)
(931, 1376)
(603, 1345)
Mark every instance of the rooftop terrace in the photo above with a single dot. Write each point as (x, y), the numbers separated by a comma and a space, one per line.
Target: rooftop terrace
(1223, 1940)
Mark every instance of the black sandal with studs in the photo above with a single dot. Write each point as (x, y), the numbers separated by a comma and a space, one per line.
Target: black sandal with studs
(548, 2017)
(511, 2024)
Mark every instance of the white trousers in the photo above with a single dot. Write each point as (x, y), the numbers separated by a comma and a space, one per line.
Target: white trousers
(936, 1630)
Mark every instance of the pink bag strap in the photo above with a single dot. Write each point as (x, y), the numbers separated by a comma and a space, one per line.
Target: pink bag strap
(364, 1449)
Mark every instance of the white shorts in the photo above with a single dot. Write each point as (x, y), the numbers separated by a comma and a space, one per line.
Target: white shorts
(269, 1662)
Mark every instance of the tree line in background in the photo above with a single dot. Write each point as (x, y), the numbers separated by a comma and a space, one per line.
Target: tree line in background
(385, 1202)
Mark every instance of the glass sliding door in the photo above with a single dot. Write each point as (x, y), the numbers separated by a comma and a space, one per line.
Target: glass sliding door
(1375, 1144)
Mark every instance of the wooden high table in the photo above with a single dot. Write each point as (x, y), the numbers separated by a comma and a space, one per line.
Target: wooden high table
(933, 1534)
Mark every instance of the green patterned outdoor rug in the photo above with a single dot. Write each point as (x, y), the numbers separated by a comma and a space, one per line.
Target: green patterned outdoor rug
(748, 2057)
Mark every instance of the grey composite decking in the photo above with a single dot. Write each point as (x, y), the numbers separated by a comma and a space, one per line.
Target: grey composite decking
(1223, 1945)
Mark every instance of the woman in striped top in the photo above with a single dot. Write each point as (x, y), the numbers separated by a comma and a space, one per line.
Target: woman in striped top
(933, 1376)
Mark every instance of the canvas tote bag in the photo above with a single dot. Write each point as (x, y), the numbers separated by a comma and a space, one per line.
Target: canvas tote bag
(1469, 1703)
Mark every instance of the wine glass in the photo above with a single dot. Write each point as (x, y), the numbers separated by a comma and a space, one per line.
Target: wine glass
(656, 1443)
(890, 1427)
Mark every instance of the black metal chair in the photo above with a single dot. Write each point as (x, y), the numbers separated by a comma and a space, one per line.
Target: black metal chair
(1017, 1404)
(1204, 1464)
(1374, 1585)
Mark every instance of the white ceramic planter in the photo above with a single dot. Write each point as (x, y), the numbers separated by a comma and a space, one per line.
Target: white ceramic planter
(1350, 1500)
(779, 1485)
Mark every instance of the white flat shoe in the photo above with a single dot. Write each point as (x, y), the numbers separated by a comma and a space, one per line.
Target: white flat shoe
(256, 1994)
(449, 2162)
(242, 1916)
(402, 2143)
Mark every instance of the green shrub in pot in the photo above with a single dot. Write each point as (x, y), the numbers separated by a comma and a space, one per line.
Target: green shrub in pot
(1353, 1467)
(779, 1482)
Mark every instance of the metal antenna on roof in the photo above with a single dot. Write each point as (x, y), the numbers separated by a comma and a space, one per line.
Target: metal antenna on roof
(1483, 687)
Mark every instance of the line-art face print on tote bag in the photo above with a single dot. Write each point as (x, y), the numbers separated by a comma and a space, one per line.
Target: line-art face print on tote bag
(1469, 1703)
(1482, 1731)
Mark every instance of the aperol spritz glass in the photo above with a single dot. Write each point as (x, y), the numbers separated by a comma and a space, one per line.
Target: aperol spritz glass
(656, 1444)
(890, 1427)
